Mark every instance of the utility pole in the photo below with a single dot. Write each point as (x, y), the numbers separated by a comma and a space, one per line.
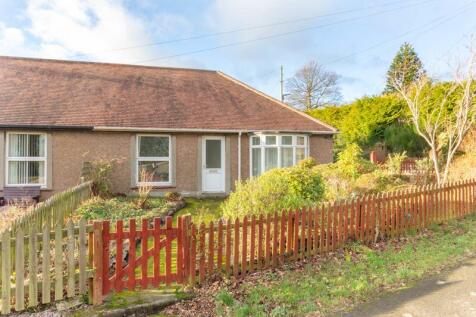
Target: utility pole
(282, 84)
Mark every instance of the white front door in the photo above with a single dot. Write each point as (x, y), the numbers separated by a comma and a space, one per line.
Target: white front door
(213, 164)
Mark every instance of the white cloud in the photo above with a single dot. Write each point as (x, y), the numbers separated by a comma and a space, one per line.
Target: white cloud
(93, 27)
(95, 30)
(12, 40)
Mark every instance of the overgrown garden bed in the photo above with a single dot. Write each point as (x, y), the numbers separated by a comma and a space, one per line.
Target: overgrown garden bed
(304, 185)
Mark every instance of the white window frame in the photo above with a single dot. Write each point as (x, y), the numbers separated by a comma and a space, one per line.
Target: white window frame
(153, 159)
(9, 159)
(279, 145)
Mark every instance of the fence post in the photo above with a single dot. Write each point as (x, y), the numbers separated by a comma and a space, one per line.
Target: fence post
(19, 270)
(6, 272)
(58, 261)
(193, 254)
(187, 245)
(244, 245)
(98, 264)
(220, 245)
(181, 249)
(228, 247)
(253, 242)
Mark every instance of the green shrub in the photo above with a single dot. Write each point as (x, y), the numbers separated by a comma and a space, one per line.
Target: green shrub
(376, 182)
(172, 196)
(402, 137)
(276, 190)
(394, 163)
(425, 171)
(337, 184)
(111, 209)
(98, 172)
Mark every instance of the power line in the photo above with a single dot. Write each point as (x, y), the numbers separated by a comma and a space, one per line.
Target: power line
(280, 34)
(439, 21)
(249, 28)
(454, 44)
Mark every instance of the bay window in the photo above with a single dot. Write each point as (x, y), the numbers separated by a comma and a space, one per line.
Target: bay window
(26, 159)
(273, 151)
(153, 159)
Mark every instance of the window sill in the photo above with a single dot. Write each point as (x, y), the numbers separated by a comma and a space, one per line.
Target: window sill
(43, 189)
(157, 187)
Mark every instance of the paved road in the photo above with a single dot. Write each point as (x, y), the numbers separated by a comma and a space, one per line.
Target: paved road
(450, 294)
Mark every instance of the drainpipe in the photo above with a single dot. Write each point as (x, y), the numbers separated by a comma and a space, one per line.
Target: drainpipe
(239, 156)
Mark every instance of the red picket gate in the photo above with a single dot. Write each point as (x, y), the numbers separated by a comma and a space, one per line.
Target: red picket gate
(138, 257)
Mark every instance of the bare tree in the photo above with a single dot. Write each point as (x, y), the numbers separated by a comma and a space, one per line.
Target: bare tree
(313, 86)
(443, 122)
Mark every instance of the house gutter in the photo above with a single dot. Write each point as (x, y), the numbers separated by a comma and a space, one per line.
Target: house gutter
(197, 130)
(44, 127)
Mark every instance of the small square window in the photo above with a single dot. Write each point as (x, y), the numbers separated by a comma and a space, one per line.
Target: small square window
(301, 140)
(153, 146)
(287, 140)
(270, 140)
(255, 140)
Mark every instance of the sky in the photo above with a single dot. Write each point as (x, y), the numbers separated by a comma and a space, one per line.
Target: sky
(247, 39)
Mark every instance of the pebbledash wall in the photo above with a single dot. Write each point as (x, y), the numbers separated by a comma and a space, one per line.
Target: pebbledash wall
(68, 150)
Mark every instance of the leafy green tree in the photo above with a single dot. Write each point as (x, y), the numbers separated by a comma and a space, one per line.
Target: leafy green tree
(401, 137)
(406, 67)
(364, 121)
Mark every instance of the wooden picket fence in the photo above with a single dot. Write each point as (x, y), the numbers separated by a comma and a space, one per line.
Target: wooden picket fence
(42, 267)
(43, 255)
(147, 256)
(57, 208)
(408, 167)
(106, 257)
(245, 245)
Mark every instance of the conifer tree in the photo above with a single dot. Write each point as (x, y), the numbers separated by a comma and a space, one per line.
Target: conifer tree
(406, 67)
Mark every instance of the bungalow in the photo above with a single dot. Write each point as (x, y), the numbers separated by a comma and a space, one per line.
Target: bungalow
(194, 131)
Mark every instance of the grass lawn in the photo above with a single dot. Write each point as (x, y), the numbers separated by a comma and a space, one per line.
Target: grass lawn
(338, 282)
(202, 210)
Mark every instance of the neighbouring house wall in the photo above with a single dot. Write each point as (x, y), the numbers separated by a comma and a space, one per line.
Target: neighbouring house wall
(69, 150)
(321, 147)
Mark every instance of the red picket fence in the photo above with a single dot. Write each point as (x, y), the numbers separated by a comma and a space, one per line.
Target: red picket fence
(160, 254)
(408, 167)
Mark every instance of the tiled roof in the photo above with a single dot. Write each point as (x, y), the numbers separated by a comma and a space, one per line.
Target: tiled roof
(36, 92)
